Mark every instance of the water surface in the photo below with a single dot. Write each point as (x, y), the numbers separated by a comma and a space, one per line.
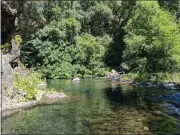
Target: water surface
(95, 106)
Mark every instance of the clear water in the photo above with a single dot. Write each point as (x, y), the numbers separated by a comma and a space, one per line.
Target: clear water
(94, 106)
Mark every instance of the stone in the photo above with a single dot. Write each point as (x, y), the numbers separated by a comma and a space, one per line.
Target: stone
(76, 79)
(146, 128)
(42, 85)
(171, 86)
(157, 112)
(15, 52)
(49, 97)
(114, 75)
(138, 120)
(55, 95)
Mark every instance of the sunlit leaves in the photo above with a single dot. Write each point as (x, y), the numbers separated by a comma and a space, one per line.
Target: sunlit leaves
(152, 38)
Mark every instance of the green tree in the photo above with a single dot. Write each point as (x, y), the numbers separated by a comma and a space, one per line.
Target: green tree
(152, 40)
(62, 52)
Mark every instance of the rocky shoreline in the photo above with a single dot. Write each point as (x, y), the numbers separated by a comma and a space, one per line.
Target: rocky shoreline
(42, 97)
(167, 85)
(14, 99)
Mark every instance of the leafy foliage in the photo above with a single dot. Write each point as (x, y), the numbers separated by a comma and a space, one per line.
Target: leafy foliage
(4, 48)
(152, 40)
(75, 38)
(27, 83)
(18, 39)
(60, 58)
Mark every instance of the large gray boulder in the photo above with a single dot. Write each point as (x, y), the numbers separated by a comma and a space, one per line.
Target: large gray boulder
(8, 91)
(7, 75)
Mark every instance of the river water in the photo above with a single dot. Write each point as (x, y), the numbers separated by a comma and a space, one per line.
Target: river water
(95, 106)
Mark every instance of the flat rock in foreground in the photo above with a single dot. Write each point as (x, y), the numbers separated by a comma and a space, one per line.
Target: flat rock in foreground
(42, 98)
(50, 98)
(55, 95)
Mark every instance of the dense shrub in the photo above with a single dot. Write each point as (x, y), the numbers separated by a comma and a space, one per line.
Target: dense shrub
(61, 53)
(27, 83)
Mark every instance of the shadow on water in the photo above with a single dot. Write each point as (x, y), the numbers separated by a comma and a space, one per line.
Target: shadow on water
(116, 96)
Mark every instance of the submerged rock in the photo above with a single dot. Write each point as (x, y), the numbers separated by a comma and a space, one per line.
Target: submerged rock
(171, 110)
(51, 98)
(55, 95)
(171, 105)
(171, 86)
(172, 98)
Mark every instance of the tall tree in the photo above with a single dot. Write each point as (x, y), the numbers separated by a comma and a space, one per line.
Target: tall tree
(152, 40)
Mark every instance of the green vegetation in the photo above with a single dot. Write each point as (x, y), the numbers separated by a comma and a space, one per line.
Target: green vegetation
(69, 47)
(4, 48)
(18, 39)
(152, 40)
(65, 39)
(27, 82)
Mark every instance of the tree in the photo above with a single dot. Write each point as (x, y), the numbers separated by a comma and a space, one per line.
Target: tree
(29, 17)
(62, 52)
(152, 40)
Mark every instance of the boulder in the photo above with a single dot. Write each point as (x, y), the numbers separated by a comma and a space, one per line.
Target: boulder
(42, 85)
(51, 98)
(114, 75)
(171, 86)
(55, 95)
(7, 76)
(76, 79)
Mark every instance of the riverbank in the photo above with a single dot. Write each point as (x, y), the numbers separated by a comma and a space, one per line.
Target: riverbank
(167, 81)
(152, 78)
(42, 97)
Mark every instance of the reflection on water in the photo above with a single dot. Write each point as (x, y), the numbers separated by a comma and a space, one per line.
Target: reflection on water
(94, 106)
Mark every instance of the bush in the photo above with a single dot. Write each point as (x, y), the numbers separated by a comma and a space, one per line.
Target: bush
(27, 83)
(4, 48)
